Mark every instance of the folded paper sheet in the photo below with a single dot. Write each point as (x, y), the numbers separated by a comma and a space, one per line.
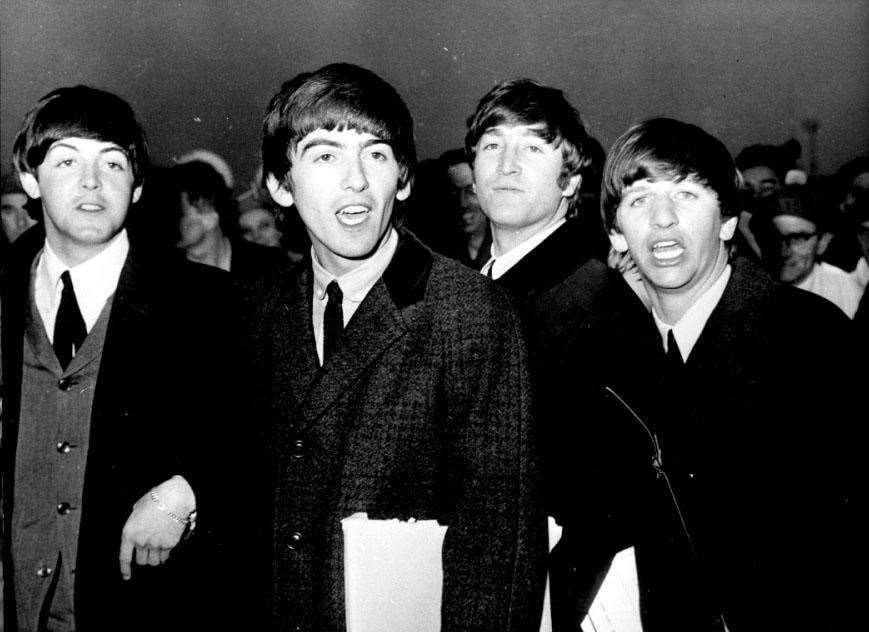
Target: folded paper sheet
(393, 574)
(616, 607)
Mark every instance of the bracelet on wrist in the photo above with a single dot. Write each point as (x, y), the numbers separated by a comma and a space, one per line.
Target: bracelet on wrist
(162, 507)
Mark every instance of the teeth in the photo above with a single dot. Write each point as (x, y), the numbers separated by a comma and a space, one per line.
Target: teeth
(90, 207)
(353, 215)
(665, 250)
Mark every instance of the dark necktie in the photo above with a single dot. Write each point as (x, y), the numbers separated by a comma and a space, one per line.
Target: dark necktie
(674, 356)
(69, 327)
(333, 320)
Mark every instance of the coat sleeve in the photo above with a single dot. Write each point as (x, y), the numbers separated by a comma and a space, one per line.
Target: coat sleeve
(495, 546)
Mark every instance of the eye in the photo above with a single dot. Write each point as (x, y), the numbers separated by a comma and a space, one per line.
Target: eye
(535, 149)
(638, 201)
(325, 157)
(114, 165)
(66, 162)
(686, 195)
(490, 146)
(378, 155)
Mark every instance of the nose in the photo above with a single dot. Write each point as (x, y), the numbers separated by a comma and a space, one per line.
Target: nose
(354, 176)
(508, 163)
(90, 176)
(663, 212)
(467, 199)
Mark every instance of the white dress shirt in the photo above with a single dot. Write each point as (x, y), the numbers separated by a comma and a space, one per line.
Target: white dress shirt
(687, 331)
(500, 264)
(835, 285)
(354, 285)
(94, 281)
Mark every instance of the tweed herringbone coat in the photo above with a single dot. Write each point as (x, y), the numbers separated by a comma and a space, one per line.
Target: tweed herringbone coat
(422, 413)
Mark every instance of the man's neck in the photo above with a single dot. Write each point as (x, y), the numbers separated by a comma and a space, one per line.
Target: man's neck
(210, 251)
(475, 240)
(505, 238)
(74, 256)
(671, 305)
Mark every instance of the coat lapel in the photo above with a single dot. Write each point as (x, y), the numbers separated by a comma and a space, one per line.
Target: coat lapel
(375, 326)
(292, 340)
(381, 321)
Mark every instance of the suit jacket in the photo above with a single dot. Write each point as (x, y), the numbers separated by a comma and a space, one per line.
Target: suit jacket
(765, 534)
(159, 409)
(423, 412)
(251, 261)
(540, 286)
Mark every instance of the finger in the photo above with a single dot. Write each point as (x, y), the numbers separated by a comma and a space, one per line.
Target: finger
(154, 557)
(164, 555)
(141, 555)
(126, 557)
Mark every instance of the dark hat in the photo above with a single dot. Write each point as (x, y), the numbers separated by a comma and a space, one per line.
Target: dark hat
(798, 201)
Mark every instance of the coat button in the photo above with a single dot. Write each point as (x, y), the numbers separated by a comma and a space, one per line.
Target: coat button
(295, 541)
(44, 571)
(63, 508)
(298, 449)
(64, 447)
(64, 383)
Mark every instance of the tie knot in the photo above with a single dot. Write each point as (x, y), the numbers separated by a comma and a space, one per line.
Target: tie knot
(333, 291)
(66, 279)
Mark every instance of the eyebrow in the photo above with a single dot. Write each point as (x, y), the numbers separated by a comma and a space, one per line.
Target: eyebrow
(328, 142)
(104, 150)
(538, 129)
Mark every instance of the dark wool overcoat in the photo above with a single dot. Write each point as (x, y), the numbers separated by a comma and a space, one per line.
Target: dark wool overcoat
(423, 413)
(160, 409)
(756, 437)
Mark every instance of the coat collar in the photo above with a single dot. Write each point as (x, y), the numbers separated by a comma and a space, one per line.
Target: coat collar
(382, 319)
(553, 260)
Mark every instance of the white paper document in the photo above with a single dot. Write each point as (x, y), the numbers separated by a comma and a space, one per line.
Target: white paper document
(616, 608)
(393, 574)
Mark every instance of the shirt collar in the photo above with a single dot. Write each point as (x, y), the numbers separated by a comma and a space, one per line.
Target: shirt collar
(861, 272)
(94, 280)
(502, 263)
(687, 331)
(356, 284)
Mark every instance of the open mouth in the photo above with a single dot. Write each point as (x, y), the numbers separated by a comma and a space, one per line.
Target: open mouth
(89, 207)
(667, 250)
(353, 215)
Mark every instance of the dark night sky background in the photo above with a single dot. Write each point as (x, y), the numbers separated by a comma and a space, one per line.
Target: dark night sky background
(199, 74)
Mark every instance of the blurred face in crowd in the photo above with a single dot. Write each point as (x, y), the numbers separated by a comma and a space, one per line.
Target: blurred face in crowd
(675, 233)
(857, 202)
(344, 184)
(795, 245)
(198, 219)
(472, 220)
(516, 174)
(86, 187)
(762, 181)
(258, 226)
(14, 216)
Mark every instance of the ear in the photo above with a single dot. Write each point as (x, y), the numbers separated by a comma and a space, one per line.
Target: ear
(30, 185)
(403, 192)
(279, 192)
(728, 228)
(137, 193)
(618, 240)
(573, 184)
(824, 242)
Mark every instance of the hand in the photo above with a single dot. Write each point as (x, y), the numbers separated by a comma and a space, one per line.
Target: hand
(150, 530)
